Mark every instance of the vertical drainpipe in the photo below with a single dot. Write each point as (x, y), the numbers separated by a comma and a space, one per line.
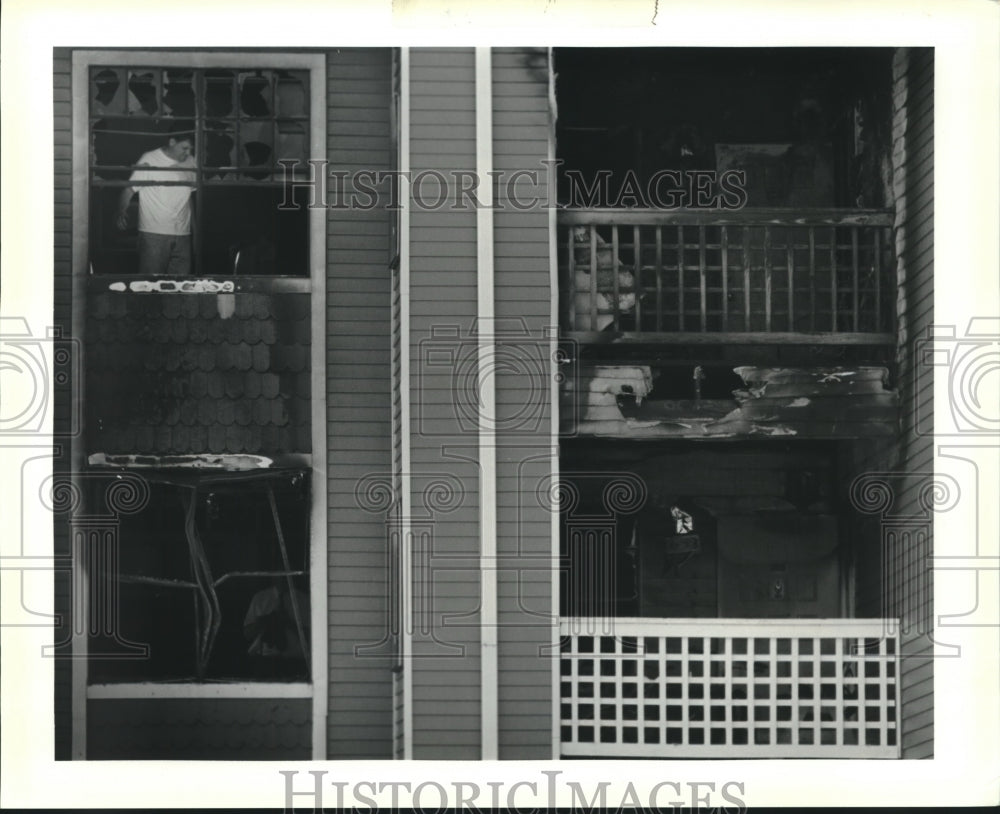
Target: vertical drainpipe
(406, 529)
(487, 408)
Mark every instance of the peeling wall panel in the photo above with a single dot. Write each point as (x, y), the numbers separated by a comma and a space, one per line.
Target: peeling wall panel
(618, 401)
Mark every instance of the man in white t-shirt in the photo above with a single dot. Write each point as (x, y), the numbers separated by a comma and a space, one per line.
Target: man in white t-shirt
(164, 211)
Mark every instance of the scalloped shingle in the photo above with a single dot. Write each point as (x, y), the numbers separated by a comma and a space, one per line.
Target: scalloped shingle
(165, 369)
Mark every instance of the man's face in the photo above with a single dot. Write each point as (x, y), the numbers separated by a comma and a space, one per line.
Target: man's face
(179, 149)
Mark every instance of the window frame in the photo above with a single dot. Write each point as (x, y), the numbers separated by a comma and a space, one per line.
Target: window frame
(314, 62)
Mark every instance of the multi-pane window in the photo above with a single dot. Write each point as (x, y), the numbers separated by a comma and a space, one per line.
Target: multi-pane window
(249, 131)
(202, 390)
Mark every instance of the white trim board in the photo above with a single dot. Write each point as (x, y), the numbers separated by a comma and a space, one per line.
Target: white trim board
(485, 320)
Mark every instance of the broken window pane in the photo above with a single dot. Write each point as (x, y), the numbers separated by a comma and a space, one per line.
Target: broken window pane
(143, 92)
(219, 92)
(257, 146)
(107, 93)
(291, 93)
(247, 232)
(683, 522)
(292, 141)
(178, 94)
(228, 584)
(219, 147)
(119, 142)
(238, 140)
(255, 94)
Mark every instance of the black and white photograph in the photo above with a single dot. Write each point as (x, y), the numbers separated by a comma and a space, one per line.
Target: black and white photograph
(433, 417)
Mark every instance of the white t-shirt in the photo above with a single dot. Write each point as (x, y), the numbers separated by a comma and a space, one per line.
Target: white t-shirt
(164, 210)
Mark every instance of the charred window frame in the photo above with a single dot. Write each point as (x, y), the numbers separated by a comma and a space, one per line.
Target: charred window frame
(208, 580)
(79, 159)
(251, 136)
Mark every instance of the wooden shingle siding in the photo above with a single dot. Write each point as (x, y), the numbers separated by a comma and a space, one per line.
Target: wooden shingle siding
(359, 408)
(62, 317)
(203, 729)
(523, 303)
(913, 149)
(443, 298)
(169, 375)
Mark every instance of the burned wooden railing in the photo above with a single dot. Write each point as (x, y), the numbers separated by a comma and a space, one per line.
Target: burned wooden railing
(763, 275)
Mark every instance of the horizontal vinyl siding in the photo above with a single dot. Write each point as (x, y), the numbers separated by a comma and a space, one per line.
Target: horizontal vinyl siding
(914, 150)
(523, 295)
(62, 291)
(358, 409)
(446, 699)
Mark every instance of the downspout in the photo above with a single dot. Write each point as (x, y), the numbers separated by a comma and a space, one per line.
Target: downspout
(487, 409)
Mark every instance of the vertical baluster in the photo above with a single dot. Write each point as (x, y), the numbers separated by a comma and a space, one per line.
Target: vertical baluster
(593, 278)
(746, 278)
(701, 275)
(638, 278)
(833, 278)
(878, 279)
(790, 263)
(614, 278)
(767, 279)
(571, 265)
(680, 278)
(812, 278)
(659, 277)
(854, 276)
(724, 248)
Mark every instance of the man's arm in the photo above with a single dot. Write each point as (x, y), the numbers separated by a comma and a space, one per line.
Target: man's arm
(123, 201)
(126, 197)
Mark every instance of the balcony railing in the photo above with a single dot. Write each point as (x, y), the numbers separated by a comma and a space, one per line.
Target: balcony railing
(763, 275)
(729, 688)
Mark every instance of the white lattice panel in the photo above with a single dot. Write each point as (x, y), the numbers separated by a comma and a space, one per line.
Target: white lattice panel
(729, 688)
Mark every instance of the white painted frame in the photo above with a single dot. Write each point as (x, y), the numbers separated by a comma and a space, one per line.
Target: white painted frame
(315, 63)
(486, 385)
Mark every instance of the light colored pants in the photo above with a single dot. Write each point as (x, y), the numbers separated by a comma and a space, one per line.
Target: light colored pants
(161, 255)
